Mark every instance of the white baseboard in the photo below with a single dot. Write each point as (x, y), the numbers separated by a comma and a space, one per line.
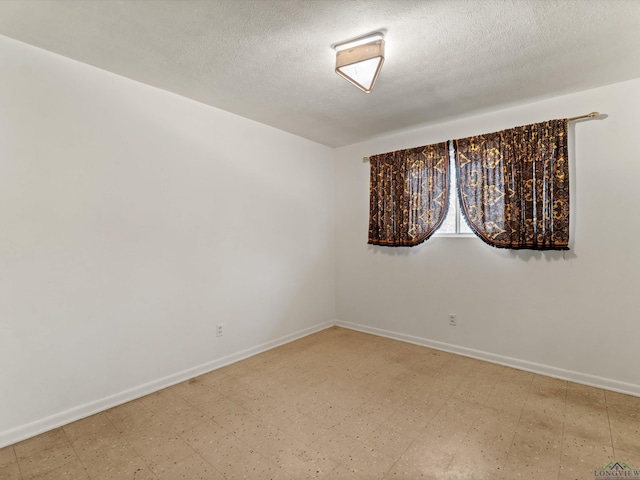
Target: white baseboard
(37, 427)
(9, 437)
(577, 377)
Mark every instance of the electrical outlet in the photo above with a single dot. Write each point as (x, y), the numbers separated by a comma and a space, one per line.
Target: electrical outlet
(452, 319)
(219, 330)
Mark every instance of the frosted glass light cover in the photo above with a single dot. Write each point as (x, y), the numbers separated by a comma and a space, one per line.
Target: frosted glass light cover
(360, 65)
(363, 74)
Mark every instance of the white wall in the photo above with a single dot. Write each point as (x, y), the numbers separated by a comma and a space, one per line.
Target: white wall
(573, 315)
(132, 221)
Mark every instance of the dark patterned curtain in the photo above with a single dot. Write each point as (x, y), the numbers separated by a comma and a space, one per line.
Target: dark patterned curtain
(514, 186)
(409, 191)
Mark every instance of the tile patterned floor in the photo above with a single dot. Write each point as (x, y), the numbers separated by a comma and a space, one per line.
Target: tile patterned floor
(345, 405)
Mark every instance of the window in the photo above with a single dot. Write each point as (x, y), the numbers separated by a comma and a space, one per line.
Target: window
(453, 224)
(513, 183)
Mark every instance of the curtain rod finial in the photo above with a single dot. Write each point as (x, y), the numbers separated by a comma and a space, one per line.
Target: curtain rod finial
(580, 117)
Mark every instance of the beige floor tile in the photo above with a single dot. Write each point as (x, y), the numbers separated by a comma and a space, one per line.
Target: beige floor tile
(389, 442)
(261, 406)
(93, 426)
(303, 401)
(368, 462)
(336, 445)
(458, 412)
(302, 461)
(267, 383)
(259, 468)
(431, 464)
(244, 393)
(347, 399)
(445, 383)
(180, 410)
(48, 440)
(10, 471)
(191, 468)
(100, 461)
(626, 404)
(623, 408)
(72, 470)
(341, 473)
(134, 469)
(423, 394)
(625, 433)
(395, 394)
(477, 387)
(585, 395)
(507, 401)
(330, 415)
(535, 452)
(488, 450)
(534, 469)
(447, 438)
(588, 422)
(140, 423)
(278, 412)
(7, 456)
(226, 452)
(41, 461)
(373, 411)
(547, 398)
(102, 438)
(306, 429)
(478, 461)
(357, 427)
(581, 457)
(158, 452)
(538, 416)
(343, 404)
(514, 381)
(425, 405)
(270, 448)
(185, 419)
(491, 422)
(202, 436)
(92, 444)
(163, 401)
(537, 441)
(257, 432)
(215, 379)
(208, 401)
(230, 414)
(409, 423)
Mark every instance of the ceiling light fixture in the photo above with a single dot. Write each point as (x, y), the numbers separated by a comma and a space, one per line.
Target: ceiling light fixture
(359, 61)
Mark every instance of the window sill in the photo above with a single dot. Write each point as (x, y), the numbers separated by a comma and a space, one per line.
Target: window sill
(454, 235)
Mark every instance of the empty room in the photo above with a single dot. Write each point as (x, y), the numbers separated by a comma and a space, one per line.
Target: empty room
(333, 239)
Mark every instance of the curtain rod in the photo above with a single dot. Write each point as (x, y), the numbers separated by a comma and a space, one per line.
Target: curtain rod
(588, 115)
(572, 119)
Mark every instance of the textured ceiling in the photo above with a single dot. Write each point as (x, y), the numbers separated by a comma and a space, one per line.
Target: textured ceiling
(271, 61)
